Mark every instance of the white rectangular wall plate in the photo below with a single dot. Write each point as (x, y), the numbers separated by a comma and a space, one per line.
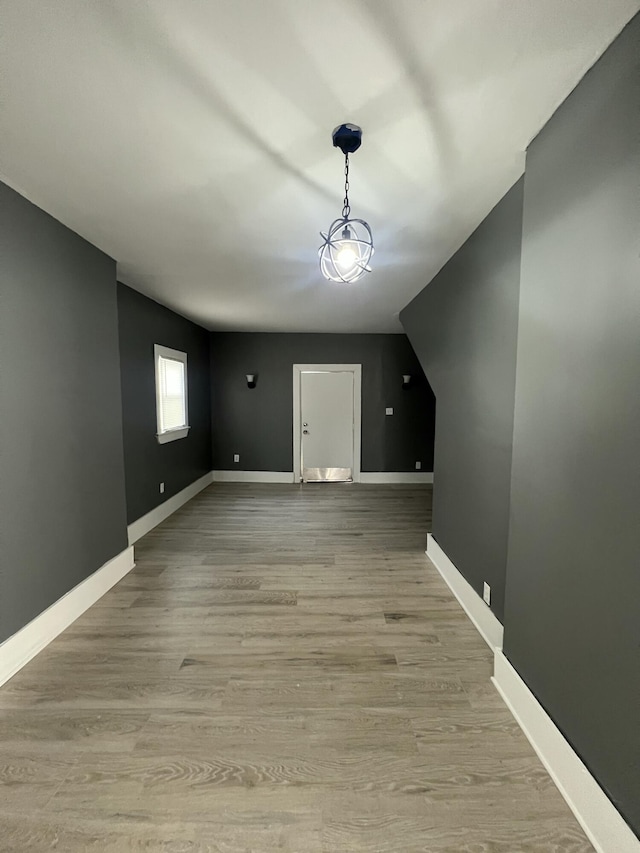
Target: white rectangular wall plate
(389, 410)
(486, 593)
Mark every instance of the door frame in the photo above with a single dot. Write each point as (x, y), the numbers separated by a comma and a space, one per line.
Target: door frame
(298, 370)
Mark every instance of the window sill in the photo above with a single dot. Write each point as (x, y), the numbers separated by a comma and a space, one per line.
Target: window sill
(172, 435)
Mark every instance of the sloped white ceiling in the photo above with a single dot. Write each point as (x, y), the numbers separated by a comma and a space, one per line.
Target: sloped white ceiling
(191, 139)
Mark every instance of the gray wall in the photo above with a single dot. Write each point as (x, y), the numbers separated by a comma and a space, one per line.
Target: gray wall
(258, 423)
(177, 464)
(463, 327)
(572, 620)
(62, 501)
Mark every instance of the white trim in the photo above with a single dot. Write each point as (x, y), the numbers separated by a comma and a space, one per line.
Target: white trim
(603, 824)
(596, 814)
(396, 477)
(356, 369)
(172, 434)
(253, 476)
(485, 621)
(167, 435)
(147, 522)
(24, 645)
(289, 477)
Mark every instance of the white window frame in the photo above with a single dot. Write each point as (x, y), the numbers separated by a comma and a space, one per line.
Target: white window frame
(180, 432)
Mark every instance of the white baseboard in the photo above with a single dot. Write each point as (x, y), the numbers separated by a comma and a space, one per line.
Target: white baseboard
(19, 649)
(152, 519)
(252, 476)
(601, 821)
(485, 621)
(382, 477)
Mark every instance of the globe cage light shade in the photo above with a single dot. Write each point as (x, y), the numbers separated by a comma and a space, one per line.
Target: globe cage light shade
(346, 251)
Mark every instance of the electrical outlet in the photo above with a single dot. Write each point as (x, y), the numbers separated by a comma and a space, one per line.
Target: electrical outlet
(389, 411)
(418, 466)
(236, 457)
(486, 593)
(162, 488)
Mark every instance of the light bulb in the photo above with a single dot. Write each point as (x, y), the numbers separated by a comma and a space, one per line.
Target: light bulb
(346, 250)
(346, 257)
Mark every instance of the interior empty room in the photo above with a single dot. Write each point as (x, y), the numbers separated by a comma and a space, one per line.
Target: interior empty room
(319, 423)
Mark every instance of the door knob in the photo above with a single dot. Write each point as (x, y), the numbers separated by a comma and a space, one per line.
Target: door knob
(305, 432)
(305, 424)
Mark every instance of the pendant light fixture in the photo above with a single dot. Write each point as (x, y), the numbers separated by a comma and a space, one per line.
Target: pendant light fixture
(348, 244)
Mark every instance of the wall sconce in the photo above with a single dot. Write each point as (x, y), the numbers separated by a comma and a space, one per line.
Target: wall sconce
(252, 379)
(406, 380)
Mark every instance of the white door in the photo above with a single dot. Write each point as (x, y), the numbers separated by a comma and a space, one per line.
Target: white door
(327, 425)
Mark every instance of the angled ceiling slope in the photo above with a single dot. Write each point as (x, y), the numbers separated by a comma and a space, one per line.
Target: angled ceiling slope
(192, 141)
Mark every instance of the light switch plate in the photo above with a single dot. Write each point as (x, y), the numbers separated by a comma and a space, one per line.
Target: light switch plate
(236, 457)
(388, 411)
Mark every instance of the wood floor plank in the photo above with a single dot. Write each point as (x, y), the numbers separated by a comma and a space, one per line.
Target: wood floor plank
(282, 671)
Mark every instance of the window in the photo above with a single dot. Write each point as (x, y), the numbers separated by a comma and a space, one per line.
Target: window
(171, 394)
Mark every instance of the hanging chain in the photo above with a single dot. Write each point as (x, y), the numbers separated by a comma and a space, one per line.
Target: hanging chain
(346, 208)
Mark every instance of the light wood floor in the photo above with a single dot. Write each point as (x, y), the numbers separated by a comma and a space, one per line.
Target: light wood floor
(283, 671)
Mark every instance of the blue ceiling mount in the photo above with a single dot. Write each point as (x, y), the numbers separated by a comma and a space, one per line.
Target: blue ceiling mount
(347, 137)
